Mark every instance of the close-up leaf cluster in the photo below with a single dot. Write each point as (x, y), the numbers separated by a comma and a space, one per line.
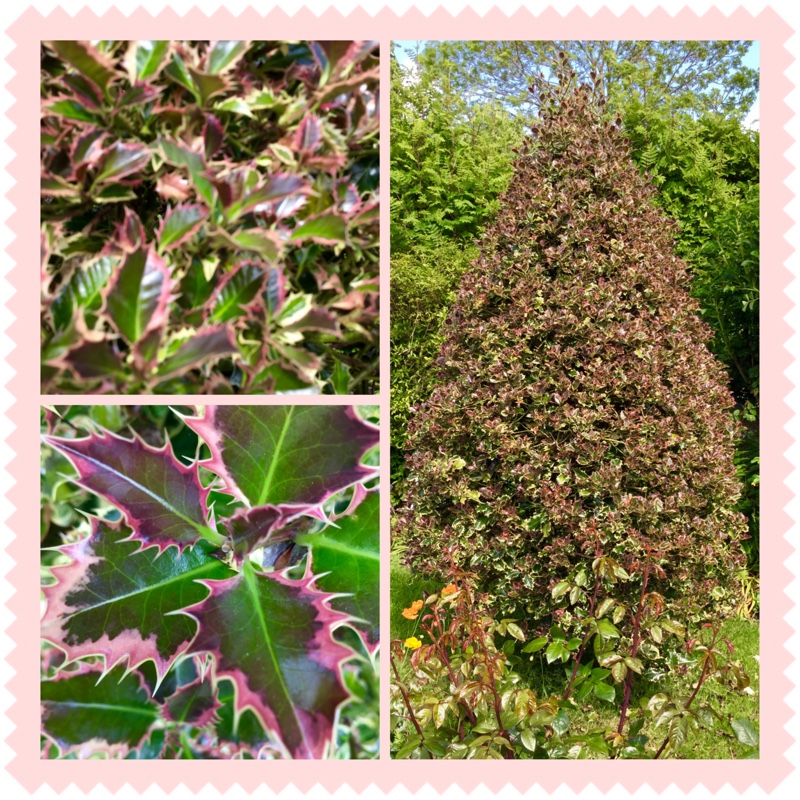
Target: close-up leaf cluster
(209, 217)
(210, 582)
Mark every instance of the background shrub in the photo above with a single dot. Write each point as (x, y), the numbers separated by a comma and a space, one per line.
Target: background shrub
(209, 216)
(580, 414)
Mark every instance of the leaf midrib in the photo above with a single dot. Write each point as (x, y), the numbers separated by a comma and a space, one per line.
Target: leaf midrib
(105, 707)
(184, 576)
(203, 530)
(275, 457)
(320, 540)
(250, 579)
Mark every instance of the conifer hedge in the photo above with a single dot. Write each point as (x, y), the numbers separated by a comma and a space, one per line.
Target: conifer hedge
(581, 419)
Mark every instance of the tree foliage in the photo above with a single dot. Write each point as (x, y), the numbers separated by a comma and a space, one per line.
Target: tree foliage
(688, 76)
(580, 415)
(707, 174)
(681, 105)
(450, 160)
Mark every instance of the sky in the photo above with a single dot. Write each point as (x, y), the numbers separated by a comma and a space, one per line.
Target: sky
(750, 60)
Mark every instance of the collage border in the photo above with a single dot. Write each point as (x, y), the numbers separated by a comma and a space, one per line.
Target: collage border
(31, 27)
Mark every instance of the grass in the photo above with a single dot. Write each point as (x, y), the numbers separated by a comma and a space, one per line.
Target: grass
(548, 680)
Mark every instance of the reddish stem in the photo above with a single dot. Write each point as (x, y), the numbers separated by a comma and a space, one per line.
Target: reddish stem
(406, 698)
(586, 637)
(626, 700)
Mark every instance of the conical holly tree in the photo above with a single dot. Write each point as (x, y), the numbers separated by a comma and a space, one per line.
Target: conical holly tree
(173, 578)
(578, 452)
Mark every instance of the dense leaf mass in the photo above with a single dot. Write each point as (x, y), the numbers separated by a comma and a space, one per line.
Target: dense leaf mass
(580, 412)
(209, 216)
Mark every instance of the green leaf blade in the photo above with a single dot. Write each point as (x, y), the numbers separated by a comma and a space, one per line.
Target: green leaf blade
(296, 455)
(119, 602)
(82, 706)
(325, 229)
(208, 344)
(347, 558)
(179, 224)
(139, 294)
(272, 638)
(149, 56)
(122, 159)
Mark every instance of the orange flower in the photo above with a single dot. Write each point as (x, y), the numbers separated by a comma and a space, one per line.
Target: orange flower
(412, 643)
(451, 589)
(413, 611)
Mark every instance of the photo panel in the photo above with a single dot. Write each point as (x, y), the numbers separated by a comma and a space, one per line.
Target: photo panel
(210, 217)
(575, 399)
(210, 582)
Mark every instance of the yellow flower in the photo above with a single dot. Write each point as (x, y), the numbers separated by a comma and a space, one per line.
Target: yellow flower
(413, 611)
(412, 643)
(451, 589)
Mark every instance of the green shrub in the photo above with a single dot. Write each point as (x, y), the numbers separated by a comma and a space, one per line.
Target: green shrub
(580, 444)
(209, 216)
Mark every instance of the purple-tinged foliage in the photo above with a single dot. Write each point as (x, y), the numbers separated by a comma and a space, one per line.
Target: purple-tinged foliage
(298, 455)
(580, 414)
(179, 160)
(271, 637)
(162, 500)
(168, 591)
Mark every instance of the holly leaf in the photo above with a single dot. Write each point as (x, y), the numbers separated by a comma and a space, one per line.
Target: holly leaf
(208, 344)
(179, 224)
(325, 229)
(195, 704)
(122, 159)
(237, 290)
(138, 295)
(87, 705)
(95, 360)
(146, 58)
(253, 528)
(162, 500)
(347, 559)
(120, 602)
(92, 64)
(224, 55)
(286, 455)
(272, 638)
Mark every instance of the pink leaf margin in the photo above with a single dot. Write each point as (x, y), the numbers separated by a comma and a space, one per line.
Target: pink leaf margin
(77, 460)
(326, 652)
(204, 426)
(126, 647)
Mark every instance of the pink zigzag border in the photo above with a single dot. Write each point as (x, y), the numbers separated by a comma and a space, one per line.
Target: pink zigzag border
(774, 767)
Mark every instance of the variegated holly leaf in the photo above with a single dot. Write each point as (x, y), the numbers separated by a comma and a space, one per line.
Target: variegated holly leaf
(195, 704)
(272, 638)
(137, 297)
(117, 601)
(207, 345)
(286, 455)
(163, 500)
(86, 705)
(347, 558)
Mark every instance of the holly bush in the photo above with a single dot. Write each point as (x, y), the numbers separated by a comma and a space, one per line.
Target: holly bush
(210, 581)
(209, 216)
(578, 452)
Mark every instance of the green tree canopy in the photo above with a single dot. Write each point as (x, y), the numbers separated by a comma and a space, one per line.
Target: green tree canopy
(690, 76)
